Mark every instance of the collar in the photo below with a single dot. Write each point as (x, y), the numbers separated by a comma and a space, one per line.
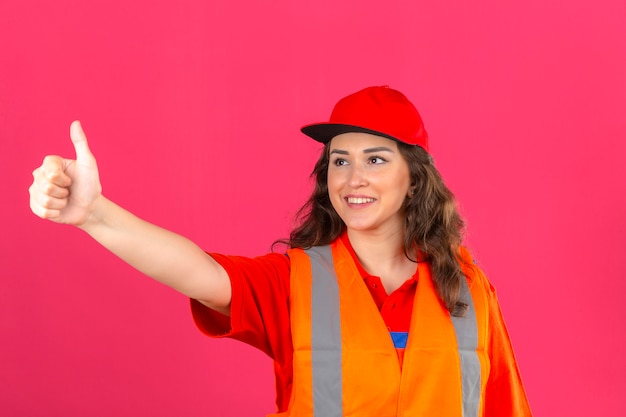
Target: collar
(346, 242)
(364, 274)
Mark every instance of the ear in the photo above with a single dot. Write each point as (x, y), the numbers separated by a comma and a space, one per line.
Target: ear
(412, 189)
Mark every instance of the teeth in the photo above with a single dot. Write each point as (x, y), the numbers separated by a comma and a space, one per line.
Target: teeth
(359, 200)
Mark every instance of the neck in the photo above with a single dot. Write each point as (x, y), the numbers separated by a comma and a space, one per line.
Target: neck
(382, 255)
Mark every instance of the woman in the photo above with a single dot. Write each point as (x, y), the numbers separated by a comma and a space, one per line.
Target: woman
(376, 310)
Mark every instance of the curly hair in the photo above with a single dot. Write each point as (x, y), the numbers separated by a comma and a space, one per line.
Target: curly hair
(433, 224)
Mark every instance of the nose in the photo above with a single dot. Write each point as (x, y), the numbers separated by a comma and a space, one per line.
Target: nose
(357, 177)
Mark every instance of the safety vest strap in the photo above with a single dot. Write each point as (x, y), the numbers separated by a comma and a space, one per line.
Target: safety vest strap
(466, 332)
(325, 334)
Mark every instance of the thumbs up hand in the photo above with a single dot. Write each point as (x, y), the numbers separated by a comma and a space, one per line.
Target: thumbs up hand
(67, 190)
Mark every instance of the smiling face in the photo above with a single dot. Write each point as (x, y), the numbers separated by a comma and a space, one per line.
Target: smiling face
(368, 182)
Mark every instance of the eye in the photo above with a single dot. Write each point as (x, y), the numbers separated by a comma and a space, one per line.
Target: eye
(376, 160)
(340, 162)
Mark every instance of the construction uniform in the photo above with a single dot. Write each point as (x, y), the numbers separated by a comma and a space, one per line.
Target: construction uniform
(336, 351)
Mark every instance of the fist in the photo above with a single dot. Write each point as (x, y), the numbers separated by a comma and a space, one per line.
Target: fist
(67, 190)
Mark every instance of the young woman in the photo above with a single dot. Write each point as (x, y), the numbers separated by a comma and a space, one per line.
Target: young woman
(375, 310)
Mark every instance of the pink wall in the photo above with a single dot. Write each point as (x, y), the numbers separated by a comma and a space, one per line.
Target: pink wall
(193, 111)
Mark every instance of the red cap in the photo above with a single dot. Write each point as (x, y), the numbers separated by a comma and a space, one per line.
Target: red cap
(380, 111)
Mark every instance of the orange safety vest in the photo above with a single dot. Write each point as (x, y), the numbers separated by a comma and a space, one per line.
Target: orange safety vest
(345, 363)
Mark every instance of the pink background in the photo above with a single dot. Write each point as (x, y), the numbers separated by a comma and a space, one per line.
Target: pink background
(193, 112)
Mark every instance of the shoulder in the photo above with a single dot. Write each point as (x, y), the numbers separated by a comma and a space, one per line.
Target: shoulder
(267, 261)
(473, 271)
(262, 274)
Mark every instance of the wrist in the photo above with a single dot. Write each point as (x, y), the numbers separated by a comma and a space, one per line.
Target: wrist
(95, 215)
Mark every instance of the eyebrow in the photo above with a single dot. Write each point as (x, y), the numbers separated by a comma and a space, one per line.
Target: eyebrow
(378, 149)
(368, 150)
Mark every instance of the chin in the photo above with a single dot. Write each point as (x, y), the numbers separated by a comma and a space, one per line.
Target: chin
(360, 227)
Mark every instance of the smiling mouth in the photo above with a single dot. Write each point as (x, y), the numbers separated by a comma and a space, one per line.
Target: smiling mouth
(359, 200)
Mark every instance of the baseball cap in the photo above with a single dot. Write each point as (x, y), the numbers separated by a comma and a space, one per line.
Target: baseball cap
(378, 110)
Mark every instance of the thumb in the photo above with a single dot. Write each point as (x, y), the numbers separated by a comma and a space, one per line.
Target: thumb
(83, 154)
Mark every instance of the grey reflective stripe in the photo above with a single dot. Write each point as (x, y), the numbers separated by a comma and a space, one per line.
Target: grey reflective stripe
(325, 335)
(467, 340)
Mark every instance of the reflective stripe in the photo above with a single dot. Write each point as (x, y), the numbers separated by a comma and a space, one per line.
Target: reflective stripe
(325, 335)
(399, 339)
(467, 340)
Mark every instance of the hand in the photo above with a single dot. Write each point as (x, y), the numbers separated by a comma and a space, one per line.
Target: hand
(66, 190)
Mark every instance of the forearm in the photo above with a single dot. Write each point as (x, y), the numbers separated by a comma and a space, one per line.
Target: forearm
(162, 255)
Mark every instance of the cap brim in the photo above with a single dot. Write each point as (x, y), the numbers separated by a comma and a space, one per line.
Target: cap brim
(324, 132)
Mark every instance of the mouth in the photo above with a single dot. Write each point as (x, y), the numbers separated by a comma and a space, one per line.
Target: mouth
(360, 200)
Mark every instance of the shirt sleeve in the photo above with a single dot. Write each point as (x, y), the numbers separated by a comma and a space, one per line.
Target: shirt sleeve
(259, 310)
(505, 395)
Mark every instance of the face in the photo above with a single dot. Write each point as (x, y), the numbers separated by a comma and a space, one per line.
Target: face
(368, 182)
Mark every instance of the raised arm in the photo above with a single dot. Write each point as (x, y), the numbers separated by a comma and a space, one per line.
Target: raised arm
(68, 191)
